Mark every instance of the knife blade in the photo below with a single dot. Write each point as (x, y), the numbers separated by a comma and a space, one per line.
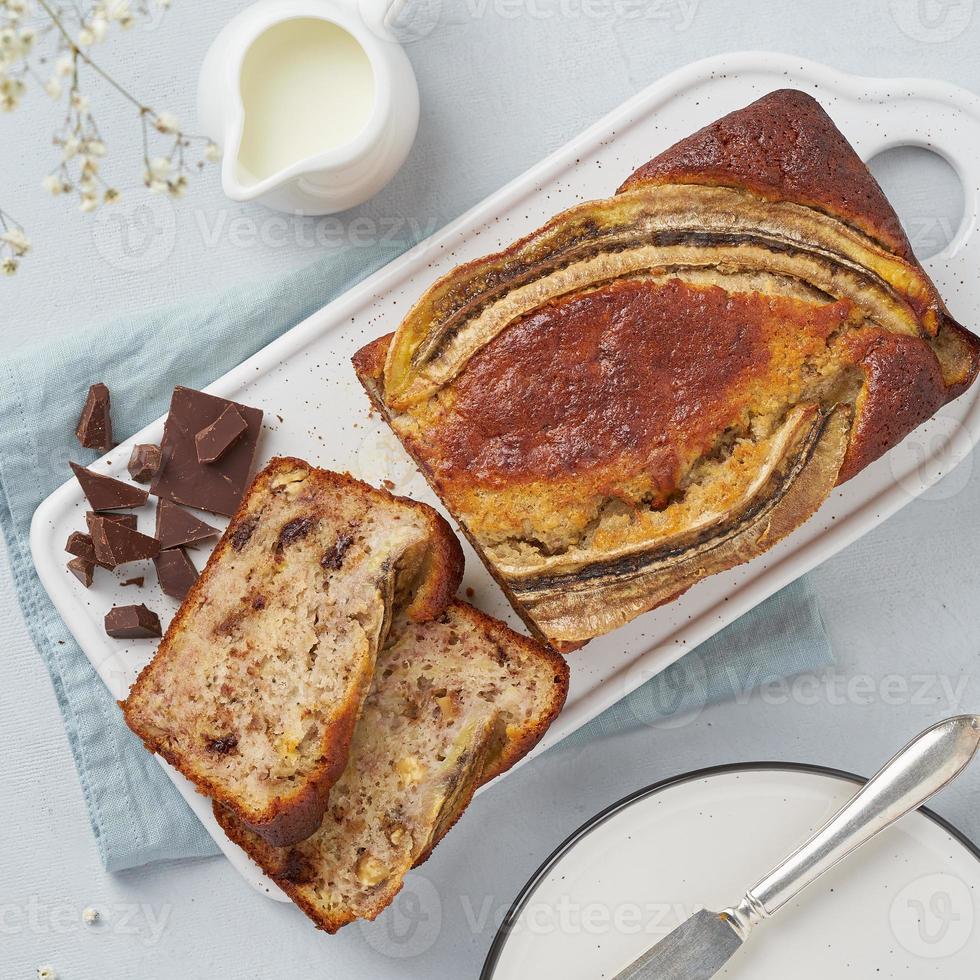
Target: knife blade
(696, 950)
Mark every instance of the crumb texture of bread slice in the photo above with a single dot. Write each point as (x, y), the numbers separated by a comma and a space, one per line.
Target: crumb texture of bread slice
(255, 689)
(454, 702)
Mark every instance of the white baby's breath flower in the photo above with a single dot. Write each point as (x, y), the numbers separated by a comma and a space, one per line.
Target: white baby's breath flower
(52, 184)
(88, 203)
(212, 153)
(177, 187)
(156, 186)
(46, 972)
(167, 123)
(8, 39)
(99, 27)
(90, 916)
(8, 267)
(111, 195)
(118, 10)
(65, 65)
(87, 187)
(17, 240)
(53, 87)
(80, 103)
(159, 168)
(86, 38)
(70, 148)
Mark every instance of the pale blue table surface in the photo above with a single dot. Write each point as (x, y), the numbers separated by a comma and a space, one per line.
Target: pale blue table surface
(503, 83)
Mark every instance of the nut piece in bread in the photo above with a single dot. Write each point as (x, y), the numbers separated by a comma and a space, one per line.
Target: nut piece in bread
(256, 686)
(454, 702)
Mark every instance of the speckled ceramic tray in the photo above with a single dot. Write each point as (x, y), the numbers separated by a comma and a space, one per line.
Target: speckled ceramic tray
(306, 379)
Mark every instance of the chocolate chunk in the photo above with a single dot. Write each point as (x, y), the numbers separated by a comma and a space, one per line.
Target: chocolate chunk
(294, 530)
(176, 527)
(144, 462)
(137, 581)
(216, 439)
(243, 533)
(216, 487)
(115, 544)
(79, 543)
(175, 572)
(105, 493)
(94, 429)
(132, 623)
(129, 520)
(82, 569)
(223, 745)
(333, 557)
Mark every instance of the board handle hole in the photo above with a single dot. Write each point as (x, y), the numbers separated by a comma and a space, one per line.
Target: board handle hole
(925, 191)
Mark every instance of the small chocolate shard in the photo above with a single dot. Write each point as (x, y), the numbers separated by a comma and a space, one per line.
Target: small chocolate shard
(132, 623)
(215, 487)
(176, 527)
(223, 745)
(213, 441)
(243, 533)
(333, 557)
(94, 429)
(137, 581)
(83, 570)
(116, 544)
(129, 520)
(80, 544)
(175, 573)
(105, 493)
(294, 530)
(144, 462)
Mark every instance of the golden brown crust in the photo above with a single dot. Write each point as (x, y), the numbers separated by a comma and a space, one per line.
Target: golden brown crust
(565, 395)
(284, 866)
(294, 816)
(783, 147)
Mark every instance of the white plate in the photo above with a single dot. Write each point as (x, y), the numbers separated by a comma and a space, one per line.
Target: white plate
(906, 905)
(305, 376)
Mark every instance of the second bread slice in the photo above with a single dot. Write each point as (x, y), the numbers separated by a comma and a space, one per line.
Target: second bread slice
(257, 684)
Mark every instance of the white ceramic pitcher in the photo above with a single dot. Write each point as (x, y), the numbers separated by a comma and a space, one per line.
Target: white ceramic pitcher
(337, 177)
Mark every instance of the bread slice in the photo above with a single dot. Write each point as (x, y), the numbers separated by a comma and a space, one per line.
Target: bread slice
(257, 684)
(658, 386)
(454, 702)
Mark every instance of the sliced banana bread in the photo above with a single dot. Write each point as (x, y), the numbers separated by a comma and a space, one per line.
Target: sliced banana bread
(454, 702)
(257, 684)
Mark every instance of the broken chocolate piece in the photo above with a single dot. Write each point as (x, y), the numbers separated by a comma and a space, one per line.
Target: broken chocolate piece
(137, 581)
(144, 462)
(175, 572)
(176, 527)
(94, 429)
(216, 487)
(132, 623)
(115, 544)
(79, 543)
(128, 519)
(216, 439)
(105, 493)
(82, 569)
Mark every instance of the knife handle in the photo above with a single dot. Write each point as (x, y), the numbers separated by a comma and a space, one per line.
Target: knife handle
(922, 768)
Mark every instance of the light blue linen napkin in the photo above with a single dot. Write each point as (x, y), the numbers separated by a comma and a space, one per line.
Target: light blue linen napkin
(137, 815)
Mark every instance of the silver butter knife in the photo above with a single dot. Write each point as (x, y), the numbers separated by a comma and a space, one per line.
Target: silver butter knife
(699, 947)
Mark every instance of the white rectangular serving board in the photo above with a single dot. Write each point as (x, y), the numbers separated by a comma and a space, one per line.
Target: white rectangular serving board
(306, 379)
